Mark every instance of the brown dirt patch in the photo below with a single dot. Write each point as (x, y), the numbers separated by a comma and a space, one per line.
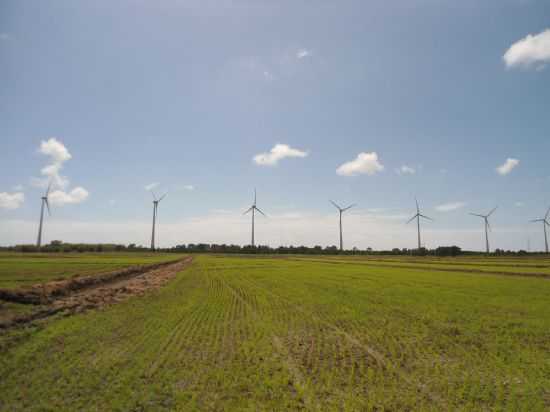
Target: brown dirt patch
(78, 295)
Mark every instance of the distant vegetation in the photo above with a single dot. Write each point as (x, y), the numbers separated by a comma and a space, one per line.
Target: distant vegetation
(58, 246)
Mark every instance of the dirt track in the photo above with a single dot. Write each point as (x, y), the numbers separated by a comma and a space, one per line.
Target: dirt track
(74, 297)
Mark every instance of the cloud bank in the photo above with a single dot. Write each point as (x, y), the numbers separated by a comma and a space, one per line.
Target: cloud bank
(364, 163)
(277, 153)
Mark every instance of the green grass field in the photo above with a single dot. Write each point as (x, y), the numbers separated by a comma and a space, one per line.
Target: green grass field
(19, 270)
(311, 333)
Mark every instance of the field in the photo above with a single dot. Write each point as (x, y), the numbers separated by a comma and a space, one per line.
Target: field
(298, 333)
(17, 270)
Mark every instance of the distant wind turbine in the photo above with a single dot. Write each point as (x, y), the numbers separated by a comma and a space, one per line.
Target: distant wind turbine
(341, 210)
(47, 204)
(487, 227)
(253, 209)
(417, 217)
(155, 207)
(545, 222)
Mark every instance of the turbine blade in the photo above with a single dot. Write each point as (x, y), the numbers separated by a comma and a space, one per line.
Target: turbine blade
(248, 210)
(335, 205)
(475, 214)
(412, 218)
(417, 207)
(349, 207)
(491, 212)
(489, 226)
(426, 217)
(547, 213)
(537, 220)
(48, 189)
(261, 212)
(254, 195)
(48, 206)
(163, 196)
(153, 194)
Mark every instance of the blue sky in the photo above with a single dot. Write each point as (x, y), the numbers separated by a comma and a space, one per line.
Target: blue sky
(186, 93)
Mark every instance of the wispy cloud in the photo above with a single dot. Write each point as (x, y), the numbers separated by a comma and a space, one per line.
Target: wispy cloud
(151, 186)
(303, 53)
(449, 207)
(405, 170)
(188, 187)
(365, 163)
(507, 166)
(277, 153)
(531, 51)
(11, 201)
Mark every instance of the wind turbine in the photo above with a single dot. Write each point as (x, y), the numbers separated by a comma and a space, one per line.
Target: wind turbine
(545, 222)
(155, 207)
(44, 202)
(253, 208)
(417, 217)
(487, 226)
(341, 210)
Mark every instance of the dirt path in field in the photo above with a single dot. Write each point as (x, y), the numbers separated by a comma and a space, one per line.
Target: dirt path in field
(70, 297)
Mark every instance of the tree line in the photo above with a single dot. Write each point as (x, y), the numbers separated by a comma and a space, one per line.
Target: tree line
(58, 246)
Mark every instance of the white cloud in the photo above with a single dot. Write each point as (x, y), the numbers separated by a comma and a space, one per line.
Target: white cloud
(507, 166)
(11, 201)
(188, 187)
(364, 163)
(303, 53)
(58, 155)
(448, 207)
(278, 152)
(61, 198)
(152, 186)
(530, 51)
(519, 204)
(405, 170)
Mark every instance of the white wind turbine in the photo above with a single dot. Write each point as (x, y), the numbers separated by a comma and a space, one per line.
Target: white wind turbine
(46, 203)
(417, 217)
(341, 210)
(155, 208)
(545, 223)
(253, 209)
(487, 227)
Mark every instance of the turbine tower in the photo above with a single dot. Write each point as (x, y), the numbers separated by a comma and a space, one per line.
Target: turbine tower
(545, 222)
(417, 217)
(487, 226)
(44, 202)
(253, 209)
(341, 210)
(155, 207)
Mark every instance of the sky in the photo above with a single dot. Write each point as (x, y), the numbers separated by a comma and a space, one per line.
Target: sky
(369, 103)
